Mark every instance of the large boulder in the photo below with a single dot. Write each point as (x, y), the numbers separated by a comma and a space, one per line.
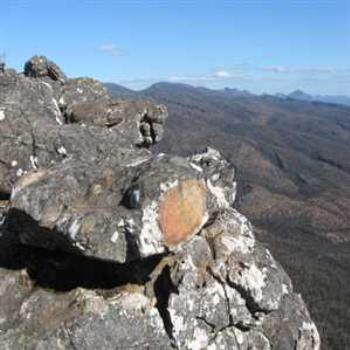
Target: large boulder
(114, 209)
(142, 121)
(40, 67)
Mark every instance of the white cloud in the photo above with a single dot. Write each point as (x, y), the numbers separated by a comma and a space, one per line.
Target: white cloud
(110, 49)
(216, 76)
(222, 74)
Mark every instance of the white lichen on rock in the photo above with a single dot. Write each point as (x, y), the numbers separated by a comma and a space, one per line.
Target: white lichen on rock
(219, 193)
(150, 237)
(252, 279)
(2, 115)
(73, 229)
(200, 340)
(34, 161)
(115, 236)
(61, 150)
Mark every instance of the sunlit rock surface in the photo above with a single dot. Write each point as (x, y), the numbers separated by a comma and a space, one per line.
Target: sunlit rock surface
(106, 245)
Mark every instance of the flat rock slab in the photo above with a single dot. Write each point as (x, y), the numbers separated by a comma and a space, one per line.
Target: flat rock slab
(81, 319)
(113, 209)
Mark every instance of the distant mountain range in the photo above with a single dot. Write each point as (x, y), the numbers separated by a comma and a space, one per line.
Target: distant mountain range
(301, 95)
(296, 94)
(292, 156)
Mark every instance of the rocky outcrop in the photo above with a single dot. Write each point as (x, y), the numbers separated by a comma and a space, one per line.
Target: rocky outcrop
(106, 245)
(41, 67)
(39, 116)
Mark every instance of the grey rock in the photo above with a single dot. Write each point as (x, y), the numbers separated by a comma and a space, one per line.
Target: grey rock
(23, 125)
(219, 175)
(105, 245)
(130, 118)
(131, 322)
(84, 320)
(81, 90)
(233, 338)
(298, 333)
(85, 205)
(208, 310)
(198, 307)
(34, 133)
(40, 67)
(15, 287)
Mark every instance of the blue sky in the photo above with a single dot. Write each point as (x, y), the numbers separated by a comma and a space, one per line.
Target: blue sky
(262, 46)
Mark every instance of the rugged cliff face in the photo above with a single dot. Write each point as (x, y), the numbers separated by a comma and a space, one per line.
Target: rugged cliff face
(105, 245)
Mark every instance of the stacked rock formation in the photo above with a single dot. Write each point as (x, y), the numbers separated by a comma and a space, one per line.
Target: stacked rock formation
(106, 245)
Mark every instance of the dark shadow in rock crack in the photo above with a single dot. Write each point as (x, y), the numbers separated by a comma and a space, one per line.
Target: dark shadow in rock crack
(251, 304)
(64, 271)
(29, 232)
(4, 196)
(163, 287)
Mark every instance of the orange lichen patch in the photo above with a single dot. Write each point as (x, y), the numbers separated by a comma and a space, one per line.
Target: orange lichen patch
(182, 211)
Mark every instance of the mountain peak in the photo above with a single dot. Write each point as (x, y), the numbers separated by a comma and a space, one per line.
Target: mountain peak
(300, 95)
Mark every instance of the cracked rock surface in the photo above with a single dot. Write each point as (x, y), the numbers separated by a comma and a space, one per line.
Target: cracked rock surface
(106, 245)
